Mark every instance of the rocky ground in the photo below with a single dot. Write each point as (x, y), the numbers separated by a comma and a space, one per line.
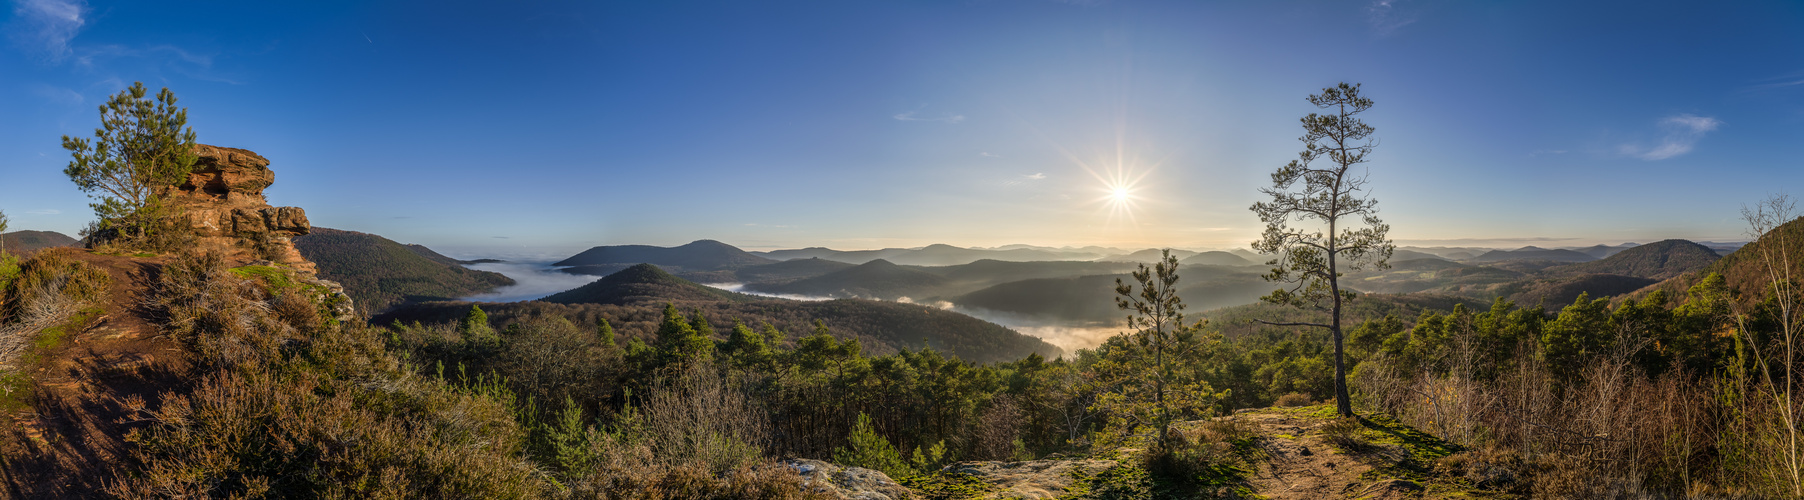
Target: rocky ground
(1273, 453)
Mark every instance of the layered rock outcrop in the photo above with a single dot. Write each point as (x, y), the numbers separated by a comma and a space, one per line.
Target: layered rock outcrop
(223, 202)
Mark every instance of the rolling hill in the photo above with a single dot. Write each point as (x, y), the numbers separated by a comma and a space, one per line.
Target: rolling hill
(1658, 260)
(1604, 251)
(1148, 256)
(878, 279)
(25, 242)
(642, 283)
(1533, 254)
(1215, 258)
(701, 255)
(379, 273)
(789, 270)
(1402, 255)
(1745, 269)
(1091, 299)
(933, 255)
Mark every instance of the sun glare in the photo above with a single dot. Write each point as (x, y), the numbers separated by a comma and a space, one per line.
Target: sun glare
(1120, 194)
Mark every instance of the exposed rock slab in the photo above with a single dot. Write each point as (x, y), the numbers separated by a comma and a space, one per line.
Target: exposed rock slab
(851, 483)
(1037, 479)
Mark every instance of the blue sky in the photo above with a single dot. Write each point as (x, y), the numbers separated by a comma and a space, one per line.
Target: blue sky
(856, 124)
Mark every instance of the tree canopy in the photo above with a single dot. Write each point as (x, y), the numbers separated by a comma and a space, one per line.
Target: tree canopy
(142, 145)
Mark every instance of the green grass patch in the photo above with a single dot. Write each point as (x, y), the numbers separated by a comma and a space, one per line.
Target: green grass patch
(273, 277)
(1420, 449)
(947, 485)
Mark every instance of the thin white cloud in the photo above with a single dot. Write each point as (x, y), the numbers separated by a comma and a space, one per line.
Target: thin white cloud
(1683, 131)
(1776, 83)
(1387, 18)
(47, 26)
(987, 154)
(44, 211)
(915, 116)
(1036, 176)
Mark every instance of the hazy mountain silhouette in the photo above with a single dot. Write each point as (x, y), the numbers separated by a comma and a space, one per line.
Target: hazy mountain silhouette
(879, 279)
(1533, 253)
(643, 283)
(1215, 258)
(697, 255)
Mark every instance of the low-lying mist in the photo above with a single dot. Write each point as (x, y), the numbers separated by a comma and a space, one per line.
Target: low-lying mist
(532, 281)
(740, 288)
(1064, 334)
(536, 280)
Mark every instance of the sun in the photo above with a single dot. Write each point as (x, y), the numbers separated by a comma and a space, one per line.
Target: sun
(1120, 194)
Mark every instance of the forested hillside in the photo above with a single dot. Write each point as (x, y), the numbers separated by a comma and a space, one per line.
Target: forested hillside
(380, 273)
(1658, 261)
(24, 242)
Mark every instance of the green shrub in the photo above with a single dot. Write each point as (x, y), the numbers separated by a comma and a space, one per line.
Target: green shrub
(869, 450)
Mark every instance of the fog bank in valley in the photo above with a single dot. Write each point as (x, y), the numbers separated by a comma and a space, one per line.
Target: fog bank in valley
(532, 281)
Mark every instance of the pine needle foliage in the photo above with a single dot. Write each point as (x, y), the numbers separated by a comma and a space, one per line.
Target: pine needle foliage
(143, 144)
(1321, 188)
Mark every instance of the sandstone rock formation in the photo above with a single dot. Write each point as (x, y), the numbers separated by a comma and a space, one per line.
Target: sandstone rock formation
(223, 202)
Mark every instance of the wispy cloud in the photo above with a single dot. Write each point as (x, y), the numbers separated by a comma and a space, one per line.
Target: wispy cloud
(44, 211)
(1780, 82)
(1387, 18)
(987, 154)
(1023, 179)
(916, 116)
(46, 26)
(189, 63)
(1683, 131)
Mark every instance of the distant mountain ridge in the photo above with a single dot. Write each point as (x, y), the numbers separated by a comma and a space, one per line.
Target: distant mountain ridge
(700, 255)
(1149, 256)
(1533, 253)
(877, 279)
(21, 242)
(642, 283)
(932, 255)
(1216, 258)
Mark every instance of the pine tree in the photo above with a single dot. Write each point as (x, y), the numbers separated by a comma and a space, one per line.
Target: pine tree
(747, 348)
(678, 340)
(1312, 259)
(142, 145)
(476, 324)
(605, 333)
(1159, 345)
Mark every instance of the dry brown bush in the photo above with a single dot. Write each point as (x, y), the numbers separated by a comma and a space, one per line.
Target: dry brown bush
(1292, 400)
(48, 289)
